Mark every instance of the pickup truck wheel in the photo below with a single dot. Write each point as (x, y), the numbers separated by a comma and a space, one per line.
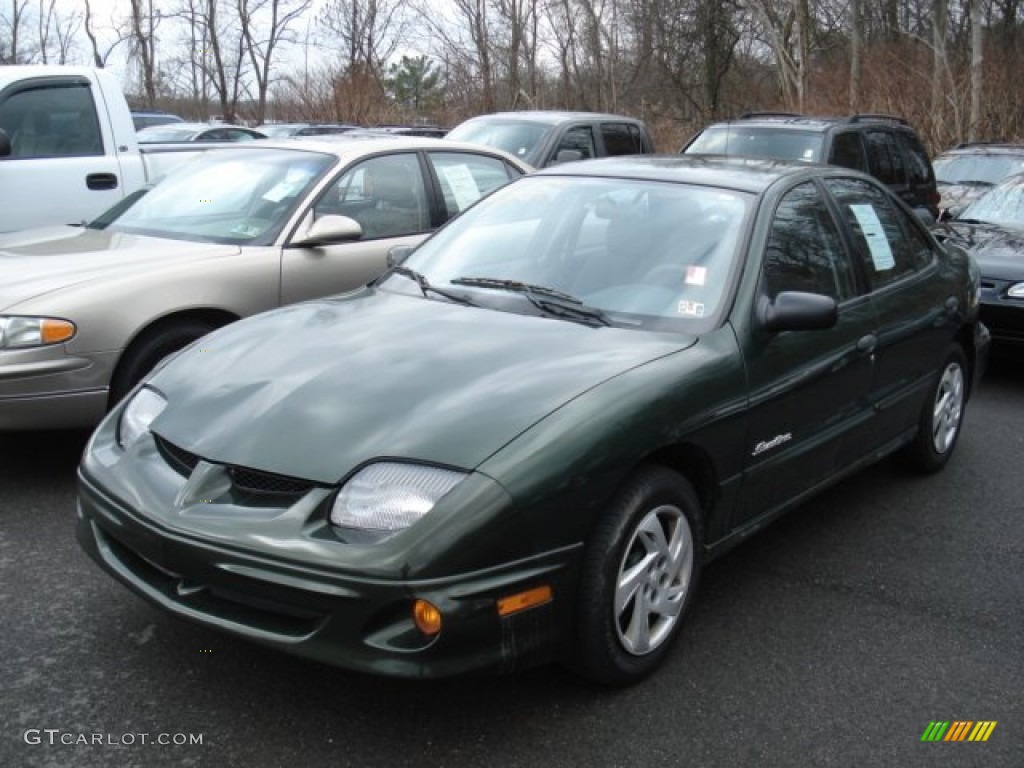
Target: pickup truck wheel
(640, 571)
(941, 416)
(149, 349)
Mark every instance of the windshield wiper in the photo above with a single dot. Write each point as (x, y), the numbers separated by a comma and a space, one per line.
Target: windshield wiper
(426, 288)
(549, 300)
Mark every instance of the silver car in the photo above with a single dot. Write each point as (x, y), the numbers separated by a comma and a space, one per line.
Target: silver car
(85, 312)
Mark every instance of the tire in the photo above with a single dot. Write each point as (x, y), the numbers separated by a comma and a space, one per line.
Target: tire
(941, 417)
(149, 349)
(640, 570)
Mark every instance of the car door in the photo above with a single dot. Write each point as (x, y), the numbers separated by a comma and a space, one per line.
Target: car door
(462, 178)
(809, 390)
(57, 144)
(916, 311)
(387, 194)
(577, 141)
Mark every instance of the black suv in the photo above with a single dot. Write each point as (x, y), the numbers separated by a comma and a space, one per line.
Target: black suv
(882, 145)
(966, 171)
(544, 137)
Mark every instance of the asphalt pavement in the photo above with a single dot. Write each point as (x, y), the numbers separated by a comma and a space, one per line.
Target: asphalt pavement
(832, 638)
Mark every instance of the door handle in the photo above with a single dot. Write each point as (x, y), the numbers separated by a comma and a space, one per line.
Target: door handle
(866, 344)
(101, 181)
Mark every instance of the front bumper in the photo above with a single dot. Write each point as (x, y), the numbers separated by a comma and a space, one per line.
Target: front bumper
(46, 388)
(1003, 316)
(331, 615)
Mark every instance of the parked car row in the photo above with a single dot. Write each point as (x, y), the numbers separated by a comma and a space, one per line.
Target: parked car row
(408, 406)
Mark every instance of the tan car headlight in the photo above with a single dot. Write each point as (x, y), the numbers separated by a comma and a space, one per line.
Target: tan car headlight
(18, 332)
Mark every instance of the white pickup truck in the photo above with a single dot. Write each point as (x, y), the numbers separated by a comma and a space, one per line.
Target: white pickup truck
(68, 149)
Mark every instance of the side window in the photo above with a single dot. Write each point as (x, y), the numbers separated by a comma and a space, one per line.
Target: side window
(579, 138)
(637, 137)
(465, 177)
(52, 121)
(805, 251)
(883, 158)
(918, 167)
(618, 140)
(887, 241)
(384, 194)
(848, 151)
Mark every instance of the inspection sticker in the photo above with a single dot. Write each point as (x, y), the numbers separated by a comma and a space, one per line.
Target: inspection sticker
(691, 308)
(696, 275)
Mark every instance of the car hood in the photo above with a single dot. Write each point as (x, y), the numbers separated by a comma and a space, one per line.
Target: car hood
(956, 196)
(999, 251)
(35, 262)
(315, 390)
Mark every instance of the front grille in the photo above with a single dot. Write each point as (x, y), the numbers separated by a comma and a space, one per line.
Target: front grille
(243, 479)
(254, 481)
(180, 460)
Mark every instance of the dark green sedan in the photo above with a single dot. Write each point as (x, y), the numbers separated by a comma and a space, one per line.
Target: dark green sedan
(524, 441)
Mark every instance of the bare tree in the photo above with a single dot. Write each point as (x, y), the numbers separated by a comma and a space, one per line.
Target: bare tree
(15, 19)
(977, 71)
(143, 22)
(265, 25)
(99, 59)
(365, 32)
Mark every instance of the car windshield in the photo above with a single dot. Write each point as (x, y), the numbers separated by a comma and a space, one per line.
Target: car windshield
(758, 142)
(517, 137)
(1002, 205)
(642, 254)
(226, 196)
(171, 132)
(984, 168)
(284, 129)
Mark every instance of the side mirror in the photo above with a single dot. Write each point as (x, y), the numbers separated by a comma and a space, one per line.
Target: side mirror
(398, 254)
(567, 156)
(798, 311)
(329, 229)
(5, 144)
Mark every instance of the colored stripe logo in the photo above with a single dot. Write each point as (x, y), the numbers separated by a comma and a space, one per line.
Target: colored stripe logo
(958, 730)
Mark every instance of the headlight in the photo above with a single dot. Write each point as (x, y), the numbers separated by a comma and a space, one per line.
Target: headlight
(390, 496)
(140, 413)
(1016, 291)
(21, 332)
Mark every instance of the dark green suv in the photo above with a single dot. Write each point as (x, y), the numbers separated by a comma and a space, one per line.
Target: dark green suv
(882, 145)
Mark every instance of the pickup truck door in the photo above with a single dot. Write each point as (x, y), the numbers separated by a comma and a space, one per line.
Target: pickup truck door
(63, 165)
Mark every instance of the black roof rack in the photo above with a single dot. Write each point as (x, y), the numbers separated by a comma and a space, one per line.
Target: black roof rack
(966, 144)
(866, 116)
(755, 115)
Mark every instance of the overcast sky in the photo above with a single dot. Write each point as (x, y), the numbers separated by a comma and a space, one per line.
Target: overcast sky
(107, 14)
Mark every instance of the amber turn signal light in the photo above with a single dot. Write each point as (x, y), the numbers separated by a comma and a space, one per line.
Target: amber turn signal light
(427, 617)
(523, 600)
(55, 331)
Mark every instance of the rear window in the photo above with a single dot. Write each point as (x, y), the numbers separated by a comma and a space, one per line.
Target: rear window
(760, 141)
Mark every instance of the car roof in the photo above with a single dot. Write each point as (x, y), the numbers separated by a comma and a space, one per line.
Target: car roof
(745, 174)
(986, 147)
(352, 149)
(552, 116)
(814, 122)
